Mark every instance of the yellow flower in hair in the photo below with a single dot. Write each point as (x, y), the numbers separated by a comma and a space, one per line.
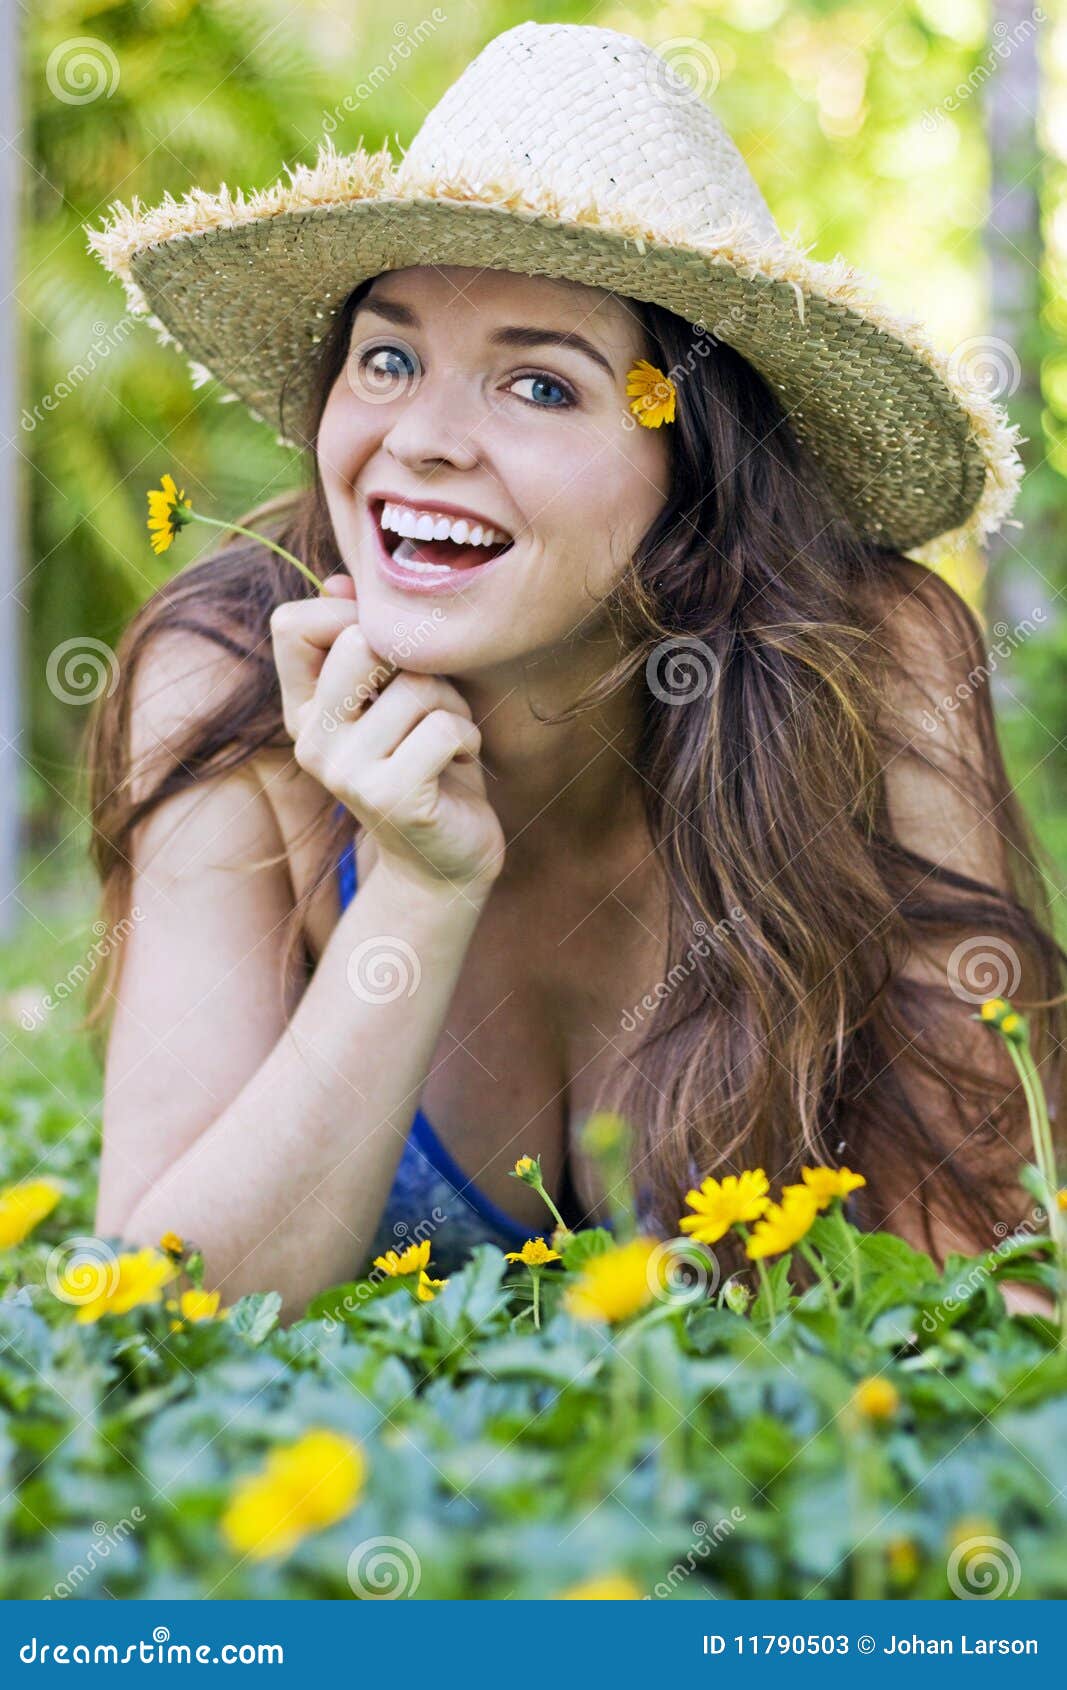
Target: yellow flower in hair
(827, 1183)
(720, 1204)
(651, 394)
(411, 1260)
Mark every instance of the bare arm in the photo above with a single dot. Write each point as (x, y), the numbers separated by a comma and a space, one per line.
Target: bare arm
(268, 1134)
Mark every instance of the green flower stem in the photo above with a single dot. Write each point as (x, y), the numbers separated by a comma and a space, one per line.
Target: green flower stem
(815, 1261)
(1041, 1132)
(250, 533)
(535, 1275)
(764, 1277)
(541, 1192)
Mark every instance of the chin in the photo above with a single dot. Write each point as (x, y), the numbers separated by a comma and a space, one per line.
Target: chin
(416, 636)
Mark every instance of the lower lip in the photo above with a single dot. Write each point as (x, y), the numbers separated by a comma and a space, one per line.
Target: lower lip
(417, 581)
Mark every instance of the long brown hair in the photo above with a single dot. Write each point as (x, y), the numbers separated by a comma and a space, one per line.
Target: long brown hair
(757, 623)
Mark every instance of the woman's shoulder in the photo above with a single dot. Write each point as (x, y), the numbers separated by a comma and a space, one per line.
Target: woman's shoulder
(193, 700)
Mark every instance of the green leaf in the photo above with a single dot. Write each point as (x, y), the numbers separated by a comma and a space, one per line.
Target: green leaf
(256, 1315)
(592, 1241)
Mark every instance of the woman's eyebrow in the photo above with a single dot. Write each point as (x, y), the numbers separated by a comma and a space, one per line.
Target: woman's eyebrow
(394, 312)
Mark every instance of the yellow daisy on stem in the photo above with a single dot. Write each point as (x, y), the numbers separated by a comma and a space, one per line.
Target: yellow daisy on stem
(720, 1204)
(412, 1260)
(535, 1253)
(617, 1283)
(115, 1286)
(1014, 1029)
(651, 394)
(528, 1170)
(427, 1288)
(169, 511)
(779, 1227)
(193, 1306)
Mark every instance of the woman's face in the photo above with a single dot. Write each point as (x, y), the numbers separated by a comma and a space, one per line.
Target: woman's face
(504, 395)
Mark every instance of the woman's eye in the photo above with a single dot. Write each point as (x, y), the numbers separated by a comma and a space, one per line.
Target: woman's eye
(388, 363)
(545, 392)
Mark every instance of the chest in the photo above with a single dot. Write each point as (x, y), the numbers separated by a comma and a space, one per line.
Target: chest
(534, 1031)
(538, 1021)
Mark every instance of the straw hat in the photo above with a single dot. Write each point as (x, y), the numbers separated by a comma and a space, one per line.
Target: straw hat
(573, 152)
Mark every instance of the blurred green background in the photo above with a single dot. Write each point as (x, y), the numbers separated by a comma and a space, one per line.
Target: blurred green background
(925, 142)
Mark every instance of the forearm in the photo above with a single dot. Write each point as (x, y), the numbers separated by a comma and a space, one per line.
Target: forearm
(285, 1188)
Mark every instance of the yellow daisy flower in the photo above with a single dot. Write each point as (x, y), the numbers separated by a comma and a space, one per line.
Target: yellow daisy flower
(782, 1224)
(528, 1169)
(23, 1206)
(827, 1183)
(132, 1279)
(194, 1305)
(617, 1283)
(651, 394)
(719, 1204)
(427, 1288)
(876, 1399)
(535, 1253)
(168, 511)
(301, 1488)
(173, 1244)
(416, 1256)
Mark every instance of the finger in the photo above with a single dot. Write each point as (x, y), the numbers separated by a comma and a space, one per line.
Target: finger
(380, 729)
(340, 586)
(431, 746)
(302, 633)
(352, 677)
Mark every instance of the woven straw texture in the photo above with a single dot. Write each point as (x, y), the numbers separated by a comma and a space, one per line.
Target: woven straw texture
(571, 152)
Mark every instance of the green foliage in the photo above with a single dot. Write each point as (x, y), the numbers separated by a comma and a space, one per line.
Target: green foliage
(691, 1450)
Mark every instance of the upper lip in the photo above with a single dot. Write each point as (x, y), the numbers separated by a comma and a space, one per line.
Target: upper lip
(446, 507)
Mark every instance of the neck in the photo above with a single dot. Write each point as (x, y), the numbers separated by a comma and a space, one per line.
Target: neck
(556, 785)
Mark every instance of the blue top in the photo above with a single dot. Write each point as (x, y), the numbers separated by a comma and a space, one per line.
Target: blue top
(431, 1196)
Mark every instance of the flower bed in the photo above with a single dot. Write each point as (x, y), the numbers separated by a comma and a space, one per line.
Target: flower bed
(594, 1416)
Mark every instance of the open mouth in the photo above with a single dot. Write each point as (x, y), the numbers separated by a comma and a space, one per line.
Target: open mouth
(432, 542)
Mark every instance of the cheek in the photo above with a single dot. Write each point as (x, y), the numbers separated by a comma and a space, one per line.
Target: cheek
(345, 436)
(592, 498)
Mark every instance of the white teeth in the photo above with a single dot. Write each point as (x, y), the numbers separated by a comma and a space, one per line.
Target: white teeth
(405, 554)
(432, 525)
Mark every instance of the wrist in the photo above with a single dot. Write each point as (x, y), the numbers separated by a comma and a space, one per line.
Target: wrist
(434, 894)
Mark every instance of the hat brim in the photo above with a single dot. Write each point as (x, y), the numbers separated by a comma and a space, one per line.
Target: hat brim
(911, 450)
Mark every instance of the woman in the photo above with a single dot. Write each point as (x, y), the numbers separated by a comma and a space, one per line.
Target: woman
(673, 783)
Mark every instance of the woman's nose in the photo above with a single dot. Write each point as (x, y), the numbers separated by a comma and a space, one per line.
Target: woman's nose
(436, 423)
